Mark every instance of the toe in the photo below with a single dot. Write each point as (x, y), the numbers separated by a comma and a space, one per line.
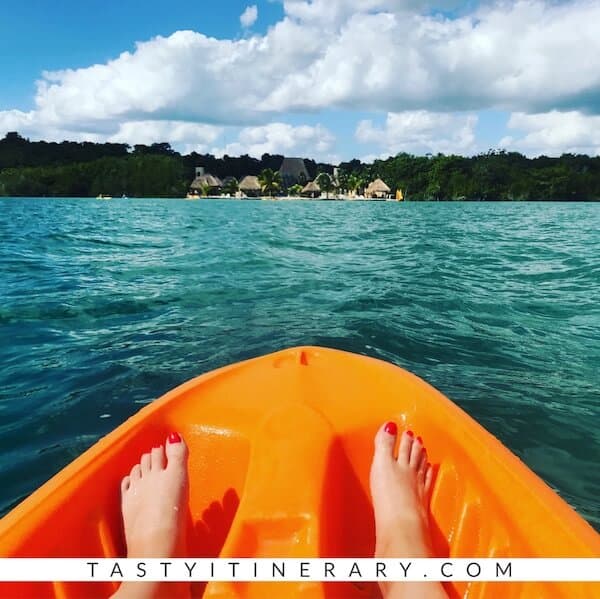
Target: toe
(421, 471)
(176, 450)
(125, 483)
(145, 463)
(406, 443)
(136, 473)
(428, 479)
(385, 441)
(158, 458)
(416, 453)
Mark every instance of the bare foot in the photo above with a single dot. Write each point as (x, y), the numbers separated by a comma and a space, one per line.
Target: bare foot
(153, 503)
(400, 488)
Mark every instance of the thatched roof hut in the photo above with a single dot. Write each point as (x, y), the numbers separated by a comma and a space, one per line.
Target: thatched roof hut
(311, 190)
(207, 180)
(250, 186)
(377, 189)
(293, 171)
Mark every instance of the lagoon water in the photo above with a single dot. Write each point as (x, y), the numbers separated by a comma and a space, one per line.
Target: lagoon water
(107, 305)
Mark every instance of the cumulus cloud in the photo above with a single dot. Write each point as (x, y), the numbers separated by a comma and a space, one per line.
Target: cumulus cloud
(249, 16)
(554, 133)
(280, 138)
(181, 133)
(185, 136)
(515, 56)
(389, 56)
(421, 132)
(337, 11)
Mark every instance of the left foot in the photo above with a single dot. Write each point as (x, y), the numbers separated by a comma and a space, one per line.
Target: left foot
(153, 503)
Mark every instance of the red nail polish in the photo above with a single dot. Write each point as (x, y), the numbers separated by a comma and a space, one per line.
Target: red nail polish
(174, 438)
(391, 428)
(410, 433)
(420, 440)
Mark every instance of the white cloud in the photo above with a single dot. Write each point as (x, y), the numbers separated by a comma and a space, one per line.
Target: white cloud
(517, 56)
(554, 133)
(249, 16)
(390, 56)
(12, 120)
(421, 132)
(337, 11)
(177, 132)
(280, 138)
(513, 56)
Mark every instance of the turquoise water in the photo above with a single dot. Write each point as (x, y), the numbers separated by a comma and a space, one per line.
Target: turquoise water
(107, 305)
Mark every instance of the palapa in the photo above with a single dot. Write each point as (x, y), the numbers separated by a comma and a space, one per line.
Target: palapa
(250, 183)
(377, 189)
(311, 189)
(206, 181)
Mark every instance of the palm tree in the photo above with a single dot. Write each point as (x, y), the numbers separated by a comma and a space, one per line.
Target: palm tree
(231, 186)
(343, 179)
(295, 190)
(353, 183)
(325, 183)
(270, 181)
(205, 190)
(362, 183)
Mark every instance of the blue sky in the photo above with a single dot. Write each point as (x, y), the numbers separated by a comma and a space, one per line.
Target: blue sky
(37, 35)
(328, 79)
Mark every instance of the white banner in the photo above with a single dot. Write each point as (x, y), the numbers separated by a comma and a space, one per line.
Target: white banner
(316, 570)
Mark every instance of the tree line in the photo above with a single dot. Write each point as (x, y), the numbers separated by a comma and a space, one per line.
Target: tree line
(88, 169)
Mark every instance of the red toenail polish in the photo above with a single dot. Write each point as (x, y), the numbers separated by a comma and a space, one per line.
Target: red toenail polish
(420, 440)
(410, 433)
(174, 438)
(391, 428)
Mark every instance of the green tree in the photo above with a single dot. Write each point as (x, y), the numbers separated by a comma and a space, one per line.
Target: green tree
(295, 190)
(343, 180)
(325, 183)
(231, 186)
(87, 169)
(270, 181)
(353, 182)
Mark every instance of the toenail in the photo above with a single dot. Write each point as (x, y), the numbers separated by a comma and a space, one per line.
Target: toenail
(410, 433)
(174, 438)
(420, 440)
(391, 428)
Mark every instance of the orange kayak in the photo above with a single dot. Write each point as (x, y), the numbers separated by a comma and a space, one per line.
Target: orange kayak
(280, 451)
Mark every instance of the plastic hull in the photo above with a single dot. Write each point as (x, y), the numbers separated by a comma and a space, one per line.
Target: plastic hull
(280, 450)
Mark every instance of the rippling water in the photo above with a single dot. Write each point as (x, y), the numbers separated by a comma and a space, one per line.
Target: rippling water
(107, 305)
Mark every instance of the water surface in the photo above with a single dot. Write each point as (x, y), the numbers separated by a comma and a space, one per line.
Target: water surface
(105, 305)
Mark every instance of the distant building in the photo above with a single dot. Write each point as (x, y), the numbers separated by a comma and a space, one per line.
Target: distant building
(205, 182)
(250, 186)
(336, 176)
(377, 190)
(293, 171)
(311, 190)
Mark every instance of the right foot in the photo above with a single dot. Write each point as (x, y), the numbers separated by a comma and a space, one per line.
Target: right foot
(400, 488)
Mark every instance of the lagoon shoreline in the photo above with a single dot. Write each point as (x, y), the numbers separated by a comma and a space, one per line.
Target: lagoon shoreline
(70, 169)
